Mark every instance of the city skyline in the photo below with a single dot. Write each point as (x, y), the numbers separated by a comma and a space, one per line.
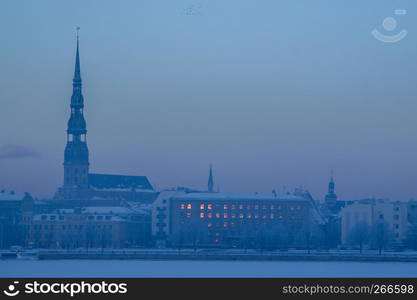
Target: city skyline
(180, 114)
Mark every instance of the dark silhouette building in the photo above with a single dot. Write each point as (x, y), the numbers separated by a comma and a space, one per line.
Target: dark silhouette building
(80, 185)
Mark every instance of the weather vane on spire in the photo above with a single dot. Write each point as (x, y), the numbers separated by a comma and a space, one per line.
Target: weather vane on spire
(77, 29)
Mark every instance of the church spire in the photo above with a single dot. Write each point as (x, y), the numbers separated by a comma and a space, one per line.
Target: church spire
(210, 184)
(76, 160)
(77, 72)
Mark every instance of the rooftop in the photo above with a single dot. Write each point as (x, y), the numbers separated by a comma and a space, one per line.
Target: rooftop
(240, 196)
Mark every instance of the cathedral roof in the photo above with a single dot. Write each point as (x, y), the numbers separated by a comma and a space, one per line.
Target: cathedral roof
(126, 182)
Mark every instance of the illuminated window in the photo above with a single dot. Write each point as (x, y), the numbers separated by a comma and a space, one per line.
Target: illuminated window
(233, 216)
(272, 207)
(225, 206)
(188, 215)
(217, 215)
(225, 224)
(182, 206)
(225, 215)
(209, 206)
(233, 206)
(256, 216)
(201, 215)
(240, 206)
(189, 206)
(241, 216)
(201, 206)
(209, 224)
(209, 215)
(249, 216)
(264, 217)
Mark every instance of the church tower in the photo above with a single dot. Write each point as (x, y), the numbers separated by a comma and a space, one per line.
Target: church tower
(76, 161)
(331, 197)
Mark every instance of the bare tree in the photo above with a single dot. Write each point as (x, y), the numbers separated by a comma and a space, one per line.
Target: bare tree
(359, 235)
(381, 236)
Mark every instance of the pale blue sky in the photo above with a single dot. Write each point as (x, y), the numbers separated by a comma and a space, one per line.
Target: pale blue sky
(273, 93)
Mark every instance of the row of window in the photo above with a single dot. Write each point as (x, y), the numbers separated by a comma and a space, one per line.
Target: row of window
(233, 216)
(54, 217)
(203, 206)
(69, 227)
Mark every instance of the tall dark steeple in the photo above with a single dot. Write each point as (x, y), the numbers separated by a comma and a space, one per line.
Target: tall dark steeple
(331, 197)
(76, 161)
(210, 184)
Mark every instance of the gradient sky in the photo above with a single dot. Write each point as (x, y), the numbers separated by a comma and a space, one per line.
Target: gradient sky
(273, 93)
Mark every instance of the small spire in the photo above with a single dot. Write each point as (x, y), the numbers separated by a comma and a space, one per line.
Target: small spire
(77, 72)
(210, 184)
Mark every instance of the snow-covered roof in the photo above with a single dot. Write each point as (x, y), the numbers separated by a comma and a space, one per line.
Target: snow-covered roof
(240, 196)
(11, 196)
(107, 210)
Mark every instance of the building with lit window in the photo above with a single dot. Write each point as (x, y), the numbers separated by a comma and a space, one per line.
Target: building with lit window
(234, 219)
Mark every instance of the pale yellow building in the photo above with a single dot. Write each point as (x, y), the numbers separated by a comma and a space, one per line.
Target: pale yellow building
(371, 211)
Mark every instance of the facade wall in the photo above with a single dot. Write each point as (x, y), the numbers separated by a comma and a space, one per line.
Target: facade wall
(225, 223)
(394, 214)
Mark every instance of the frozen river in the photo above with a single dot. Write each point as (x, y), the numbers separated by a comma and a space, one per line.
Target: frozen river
(142, 268)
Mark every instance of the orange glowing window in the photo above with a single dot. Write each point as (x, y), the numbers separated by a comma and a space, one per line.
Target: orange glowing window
(241, 206)
(225, 206)
(201, 215)
(182, 206)
(241, 216)
(189, 206)
(225, 215)
(217, 215)
(209, 215)
(256, 216)
(209, 206)
(249, 216)
(209, 224)
(201, 206)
